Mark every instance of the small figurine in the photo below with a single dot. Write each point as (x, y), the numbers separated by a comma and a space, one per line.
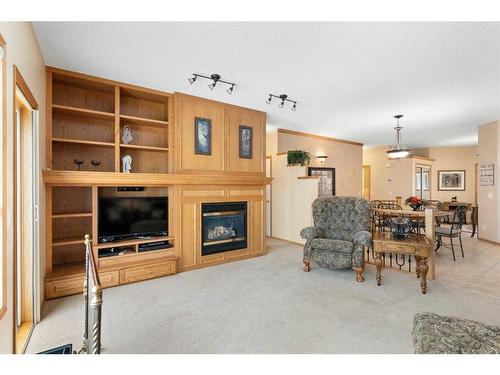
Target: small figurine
(95, 163)
(78, 162)
(127, 164)
(127, 135)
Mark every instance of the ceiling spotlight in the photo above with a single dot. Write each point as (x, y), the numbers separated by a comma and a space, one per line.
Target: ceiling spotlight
(215, 78)
(284, 98)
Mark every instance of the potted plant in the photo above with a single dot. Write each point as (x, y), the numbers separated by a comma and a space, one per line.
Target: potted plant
(297, 157)
(414, 202)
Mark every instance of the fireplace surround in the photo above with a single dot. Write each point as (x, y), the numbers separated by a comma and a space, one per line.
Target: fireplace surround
(223, 227)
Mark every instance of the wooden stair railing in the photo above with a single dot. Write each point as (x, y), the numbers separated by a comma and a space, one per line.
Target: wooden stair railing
(92, 295)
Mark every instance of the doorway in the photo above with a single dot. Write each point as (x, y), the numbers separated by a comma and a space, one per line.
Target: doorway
(423, 182)
(25, 216)
(269, 173)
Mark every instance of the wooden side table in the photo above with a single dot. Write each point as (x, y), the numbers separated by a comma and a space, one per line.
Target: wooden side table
(415, 244)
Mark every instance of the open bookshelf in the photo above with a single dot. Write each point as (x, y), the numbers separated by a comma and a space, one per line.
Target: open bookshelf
(86, 118)
(71, 219)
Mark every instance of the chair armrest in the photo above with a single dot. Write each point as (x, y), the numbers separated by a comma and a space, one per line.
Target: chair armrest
(309, 233)
(363, 238)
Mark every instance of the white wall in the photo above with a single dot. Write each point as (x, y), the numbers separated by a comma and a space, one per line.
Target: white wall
(489, 196)
(24, 52)
(291, 200)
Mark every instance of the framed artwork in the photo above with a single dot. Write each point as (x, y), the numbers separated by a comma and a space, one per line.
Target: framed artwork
(202, 136)
(326, 180)
(425, 180)
(487, 174)
(451, 180)
(246, 142)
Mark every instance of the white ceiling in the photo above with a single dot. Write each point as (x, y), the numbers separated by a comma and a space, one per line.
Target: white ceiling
(349, 78)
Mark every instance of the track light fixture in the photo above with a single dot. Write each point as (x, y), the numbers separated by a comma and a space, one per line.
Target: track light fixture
(283, 98)
(216, 78)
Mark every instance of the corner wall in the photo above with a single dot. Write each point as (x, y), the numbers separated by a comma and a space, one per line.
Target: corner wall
(489, 196)
(24, 52)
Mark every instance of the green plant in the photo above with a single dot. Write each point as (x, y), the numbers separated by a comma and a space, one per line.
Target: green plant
(298, 157)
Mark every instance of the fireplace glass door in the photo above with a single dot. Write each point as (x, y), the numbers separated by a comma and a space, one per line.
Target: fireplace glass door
(224, 227)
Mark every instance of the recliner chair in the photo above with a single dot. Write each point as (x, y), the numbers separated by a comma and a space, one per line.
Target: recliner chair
(339, 234)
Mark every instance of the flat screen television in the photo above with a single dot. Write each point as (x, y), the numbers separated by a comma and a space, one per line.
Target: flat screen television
(132, 217)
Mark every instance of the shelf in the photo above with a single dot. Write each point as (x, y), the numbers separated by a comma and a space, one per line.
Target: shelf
(73, 178)
(133, 242)
(147, 148)
(82, 112)
(73, 215)
(80, 142)
(142, 121)
(68, 241)
(66, 269)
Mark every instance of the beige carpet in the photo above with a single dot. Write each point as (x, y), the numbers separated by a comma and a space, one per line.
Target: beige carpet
(269, 305)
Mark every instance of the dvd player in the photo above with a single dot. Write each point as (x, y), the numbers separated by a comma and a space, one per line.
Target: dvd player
(154, 246)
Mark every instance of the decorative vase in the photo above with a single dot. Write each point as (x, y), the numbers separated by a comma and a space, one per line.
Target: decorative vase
(415, 207)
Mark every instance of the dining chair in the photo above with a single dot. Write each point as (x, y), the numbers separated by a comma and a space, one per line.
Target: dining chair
(454, 231)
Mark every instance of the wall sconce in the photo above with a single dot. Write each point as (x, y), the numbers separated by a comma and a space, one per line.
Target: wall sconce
(216, 78)
(322, 158)
(283, 98)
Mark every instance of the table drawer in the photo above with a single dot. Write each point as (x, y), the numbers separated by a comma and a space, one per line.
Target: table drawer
(109, 278)
(145, 272)
(395, 248)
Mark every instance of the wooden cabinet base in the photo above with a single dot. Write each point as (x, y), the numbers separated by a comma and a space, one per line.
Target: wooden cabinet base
(66, 285)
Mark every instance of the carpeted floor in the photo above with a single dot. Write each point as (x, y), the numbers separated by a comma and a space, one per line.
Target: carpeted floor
(269, 305)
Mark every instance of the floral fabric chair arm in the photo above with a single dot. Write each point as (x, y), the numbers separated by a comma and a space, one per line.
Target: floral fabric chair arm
(309, 233)
(361, 239)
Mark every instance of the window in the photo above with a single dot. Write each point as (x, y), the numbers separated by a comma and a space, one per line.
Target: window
(3, 156)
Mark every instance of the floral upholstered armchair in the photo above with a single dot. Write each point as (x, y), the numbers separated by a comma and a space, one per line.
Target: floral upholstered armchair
(339, 235)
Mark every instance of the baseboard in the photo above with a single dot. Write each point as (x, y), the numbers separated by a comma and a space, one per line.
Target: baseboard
(489, 241)
(282, 239)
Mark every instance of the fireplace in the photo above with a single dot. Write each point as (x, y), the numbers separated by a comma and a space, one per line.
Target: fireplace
(223, 227)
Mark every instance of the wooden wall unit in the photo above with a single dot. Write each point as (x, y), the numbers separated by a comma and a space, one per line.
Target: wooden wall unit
(85, 118)
(226, 120)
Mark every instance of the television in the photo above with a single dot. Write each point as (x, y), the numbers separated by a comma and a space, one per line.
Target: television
(132, 217)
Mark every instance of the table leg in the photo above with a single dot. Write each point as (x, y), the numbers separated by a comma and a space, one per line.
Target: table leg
(417, 266)
(423, 273)
(378, 264)
(473, 230)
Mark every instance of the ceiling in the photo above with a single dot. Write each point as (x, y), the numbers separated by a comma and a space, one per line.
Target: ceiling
(349, 78)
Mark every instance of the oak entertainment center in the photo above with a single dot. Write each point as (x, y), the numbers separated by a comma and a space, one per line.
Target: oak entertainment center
(216, 202)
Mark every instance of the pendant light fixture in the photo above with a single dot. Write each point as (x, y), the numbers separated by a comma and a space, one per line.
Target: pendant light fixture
(398, 150)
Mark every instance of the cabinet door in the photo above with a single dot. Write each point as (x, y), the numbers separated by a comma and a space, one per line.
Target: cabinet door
(239, 121)
(190, 224)
(258, 221)
(187, 110)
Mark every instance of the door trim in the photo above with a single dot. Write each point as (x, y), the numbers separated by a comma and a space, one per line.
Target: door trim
(19, 84)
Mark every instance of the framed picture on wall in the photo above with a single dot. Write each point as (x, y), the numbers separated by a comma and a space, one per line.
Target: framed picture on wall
(246, 142)
(202, 136)
(451, 180)
(326, 180)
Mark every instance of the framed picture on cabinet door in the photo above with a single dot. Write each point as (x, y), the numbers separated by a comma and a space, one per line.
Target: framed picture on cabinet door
(202, 136)
(246, 142)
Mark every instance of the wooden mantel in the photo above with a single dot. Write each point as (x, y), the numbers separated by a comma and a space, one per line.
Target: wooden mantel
(69, 178)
